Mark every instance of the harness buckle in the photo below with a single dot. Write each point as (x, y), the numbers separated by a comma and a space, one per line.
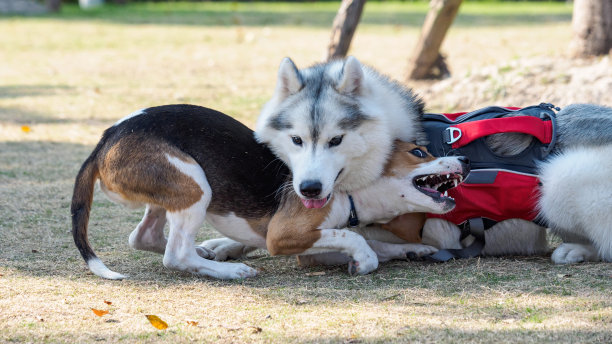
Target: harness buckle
(454, 134)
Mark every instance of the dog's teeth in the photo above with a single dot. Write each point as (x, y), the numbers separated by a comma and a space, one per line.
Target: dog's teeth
(447, 176)
(446, 193)
(455, 182)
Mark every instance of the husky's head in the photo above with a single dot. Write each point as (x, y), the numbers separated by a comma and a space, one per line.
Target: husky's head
(318, 123)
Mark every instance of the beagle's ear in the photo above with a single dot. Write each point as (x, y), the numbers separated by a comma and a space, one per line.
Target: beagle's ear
(352, 77)
(289, 79)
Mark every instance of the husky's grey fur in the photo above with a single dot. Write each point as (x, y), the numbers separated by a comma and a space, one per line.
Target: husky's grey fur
(334, 124)
(576, 193)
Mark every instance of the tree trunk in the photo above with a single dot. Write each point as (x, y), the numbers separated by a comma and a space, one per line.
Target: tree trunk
(592, 26)
(426, 55)
(344, 27)
(53, 5)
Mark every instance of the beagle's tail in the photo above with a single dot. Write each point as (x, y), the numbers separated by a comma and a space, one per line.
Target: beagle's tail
(82, 198)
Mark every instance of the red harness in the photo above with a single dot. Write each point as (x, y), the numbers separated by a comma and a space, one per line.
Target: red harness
(497, 188)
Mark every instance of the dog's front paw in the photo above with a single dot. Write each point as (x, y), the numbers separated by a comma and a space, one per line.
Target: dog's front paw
(236, 271)
(573, 253)
(205, 253)
(417, 251)
(363, 263)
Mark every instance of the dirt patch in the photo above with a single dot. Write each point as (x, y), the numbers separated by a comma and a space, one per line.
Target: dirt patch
(524, 82)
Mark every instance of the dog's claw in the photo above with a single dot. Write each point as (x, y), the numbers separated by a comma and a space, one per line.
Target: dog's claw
(411, 256)
(352, 268)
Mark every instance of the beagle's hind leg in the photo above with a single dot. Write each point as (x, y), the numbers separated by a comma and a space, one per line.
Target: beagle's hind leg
(180, 251)
(149, 234)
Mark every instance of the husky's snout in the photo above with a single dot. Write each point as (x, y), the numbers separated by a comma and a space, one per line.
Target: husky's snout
(311, 188)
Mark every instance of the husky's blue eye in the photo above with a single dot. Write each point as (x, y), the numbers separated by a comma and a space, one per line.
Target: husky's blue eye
(335, 141)
(296, 140)
(418, 153)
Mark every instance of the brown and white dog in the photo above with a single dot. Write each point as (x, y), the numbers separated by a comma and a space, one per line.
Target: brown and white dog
(189, 164)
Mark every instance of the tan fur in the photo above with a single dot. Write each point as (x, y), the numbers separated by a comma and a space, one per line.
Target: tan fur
(407, 227)
(402, 160)
(260, 225)
(294, 228)
(138, 169)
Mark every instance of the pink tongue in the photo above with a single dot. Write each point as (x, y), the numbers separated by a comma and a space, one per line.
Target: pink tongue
(314, 203)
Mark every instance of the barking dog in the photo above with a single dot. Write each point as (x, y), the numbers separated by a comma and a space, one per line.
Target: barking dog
(334, 125)
(189, 164)
(575, 196)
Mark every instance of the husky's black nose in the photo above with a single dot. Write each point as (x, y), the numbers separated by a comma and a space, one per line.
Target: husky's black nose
(311, 188)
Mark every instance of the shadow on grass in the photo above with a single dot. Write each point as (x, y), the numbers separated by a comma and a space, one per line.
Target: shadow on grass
(18, 115)
(296, 14)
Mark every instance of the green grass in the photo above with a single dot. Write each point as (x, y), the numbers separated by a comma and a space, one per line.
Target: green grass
(69, 76)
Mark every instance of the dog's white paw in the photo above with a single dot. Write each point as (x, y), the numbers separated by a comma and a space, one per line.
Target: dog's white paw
(363, 263)
(573, 253)
(235, 271)
(415, 251)
(225, 248)
(205, 252)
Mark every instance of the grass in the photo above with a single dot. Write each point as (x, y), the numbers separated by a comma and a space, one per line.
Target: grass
(68, 77)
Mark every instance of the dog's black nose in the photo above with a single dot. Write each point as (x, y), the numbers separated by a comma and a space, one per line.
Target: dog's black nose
(311, 188)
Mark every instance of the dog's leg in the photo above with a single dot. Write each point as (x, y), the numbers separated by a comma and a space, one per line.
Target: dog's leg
(364, 259)
(149, 234)
(387, 251)
(441, 234)
(224, 249)
(180, 251)
(568, 253)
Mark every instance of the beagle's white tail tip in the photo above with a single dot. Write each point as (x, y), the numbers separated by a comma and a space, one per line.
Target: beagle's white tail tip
(99, 269)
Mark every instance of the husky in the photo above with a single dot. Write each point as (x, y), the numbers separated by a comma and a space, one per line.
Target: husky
(575, 195)
(334, 124)
(188, 164)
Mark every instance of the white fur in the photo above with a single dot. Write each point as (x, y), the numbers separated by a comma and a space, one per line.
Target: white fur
(99, 269)
(180, 253)
(226, 248)
(577, 200)
(236, 228)
(133, 114)
(363, 151)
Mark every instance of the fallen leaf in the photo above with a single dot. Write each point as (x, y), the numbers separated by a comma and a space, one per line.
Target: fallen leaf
(192, 323)
(317, 273)
(1, 275)
(108, 302)
(254, 329)
(157, 322)
(39, 318)
(26, 128)
(99, 312)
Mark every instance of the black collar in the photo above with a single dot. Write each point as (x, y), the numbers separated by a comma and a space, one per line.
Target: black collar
(353, 220)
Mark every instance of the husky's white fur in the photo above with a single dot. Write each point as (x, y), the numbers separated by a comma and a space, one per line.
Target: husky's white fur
(334, 124)
(576, 195)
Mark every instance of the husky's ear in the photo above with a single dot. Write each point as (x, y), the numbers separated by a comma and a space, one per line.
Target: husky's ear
(289, 79)
(352, 77)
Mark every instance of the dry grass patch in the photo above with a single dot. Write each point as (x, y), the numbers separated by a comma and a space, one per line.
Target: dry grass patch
(68, 78)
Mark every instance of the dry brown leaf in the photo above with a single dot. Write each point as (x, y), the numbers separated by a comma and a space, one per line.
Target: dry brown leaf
(26, 128)
(108, 302)
(192, 323)
(157, 322)
(99, 312)
(254, 329)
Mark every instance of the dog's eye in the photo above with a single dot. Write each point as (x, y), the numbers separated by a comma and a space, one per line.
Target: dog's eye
(335, 141)
(418, 153)
(296, 140)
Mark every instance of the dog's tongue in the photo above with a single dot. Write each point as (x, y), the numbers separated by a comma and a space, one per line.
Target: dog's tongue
(314, 203)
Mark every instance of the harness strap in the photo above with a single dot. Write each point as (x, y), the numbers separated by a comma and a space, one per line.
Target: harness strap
(461, 134)
(353, 220)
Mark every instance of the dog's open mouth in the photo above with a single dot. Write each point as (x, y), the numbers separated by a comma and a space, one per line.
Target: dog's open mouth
(436, 186)
(315, 203)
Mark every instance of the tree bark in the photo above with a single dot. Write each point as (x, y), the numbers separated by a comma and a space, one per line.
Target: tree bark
(344, 27)
(53, 5)
(426, 56)
(592, 26)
